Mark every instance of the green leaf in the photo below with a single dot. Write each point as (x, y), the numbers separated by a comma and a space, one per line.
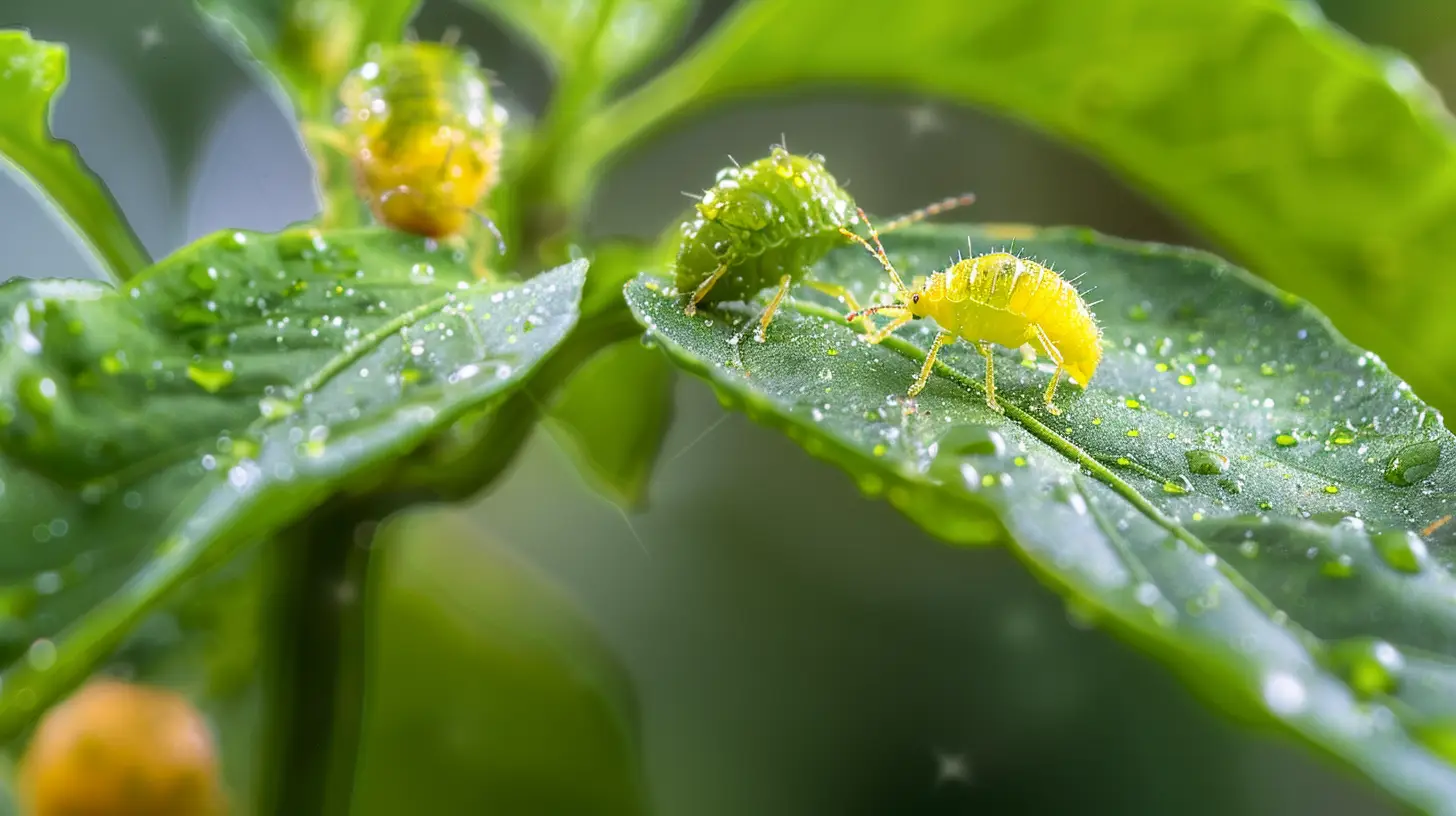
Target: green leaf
(222, 395)
(488, 691)
(35, 73)
(605, 39)
(612, 415)
(1188, 499)
(307, 47)
(1326, 167)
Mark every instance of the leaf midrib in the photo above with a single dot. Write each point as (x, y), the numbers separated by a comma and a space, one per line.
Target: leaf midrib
(1097, 470)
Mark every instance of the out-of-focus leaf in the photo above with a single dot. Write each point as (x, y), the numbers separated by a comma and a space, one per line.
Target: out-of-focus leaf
(147, 433)
(34, 74)
(487, 691)
(605, 39)
(1222, 416)
(1327, 167)
(612, 416)
(307, 47)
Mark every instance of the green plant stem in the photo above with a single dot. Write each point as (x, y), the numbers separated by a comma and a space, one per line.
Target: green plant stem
(317, 663)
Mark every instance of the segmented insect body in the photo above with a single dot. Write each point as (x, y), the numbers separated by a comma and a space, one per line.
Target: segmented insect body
(996, 298)
(426, 135)
(765, 224)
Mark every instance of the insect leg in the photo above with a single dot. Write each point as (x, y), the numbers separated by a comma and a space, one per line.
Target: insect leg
(704, 288)
(929, 211)
(477, 255)
(924, 376)
(885, 331)
(771, 308)
(836, 291)
(985, 349)
(1056, 355)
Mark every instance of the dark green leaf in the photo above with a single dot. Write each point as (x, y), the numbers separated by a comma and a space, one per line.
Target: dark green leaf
(612, 416)
(488, 692)
(35, 73)
(1187, 499)
(1324, 165)
(147, 433)
(307, 47)
(605, 39)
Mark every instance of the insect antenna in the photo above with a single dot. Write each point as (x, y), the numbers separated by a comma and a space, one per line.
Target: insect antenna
(735, 161)
(1094, 303)
(930, 211)
(693, 196)
(878, 250)
(500, 240)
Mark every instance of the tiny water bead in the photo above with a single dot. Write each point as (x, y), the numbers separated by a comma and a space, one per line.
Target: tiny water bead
(1206, 462)
(970, 440)
(1413, 463)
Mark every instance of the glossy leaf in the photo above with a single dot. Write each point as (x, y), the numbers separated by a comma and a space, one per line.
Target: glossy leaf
(605, 39)
(1188, 499)
(34, 74)
(307, 47)
(1325, 166)
(147, 433)
(488, 693)
(612, 415)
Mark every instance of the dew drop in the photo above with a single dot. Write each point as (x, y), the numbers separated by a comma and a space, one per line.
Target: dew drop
(1285, 440)
(1206, 462)
(1284, 693)
(1370, 666)
(1413, 463)
(1187, 380)
(211, 375)
(42, 654)
(1178, 486)
(1403, 550)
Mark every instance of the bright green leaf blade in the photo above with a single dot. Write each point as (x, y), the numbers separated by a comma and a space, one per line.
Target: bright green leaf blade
(612, 415)
(488, 692)
(307, 47)
(147, 433)
(1218, 401)
(606, 39)
(1326, 167)
(35, 73)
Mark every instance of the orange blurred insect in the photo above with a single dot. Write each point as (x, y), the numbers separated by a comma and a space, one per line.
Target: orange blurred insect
(424, 136)
(995, 298)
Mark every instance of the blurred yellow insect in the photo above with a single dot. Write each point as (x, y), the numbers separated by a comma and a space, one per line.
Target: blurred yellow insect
(995, 298)
(424, 135)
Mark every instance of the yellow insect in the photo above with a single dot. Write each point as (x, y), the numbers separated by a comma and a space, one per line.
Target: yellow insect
(995, 298)
(424, 136)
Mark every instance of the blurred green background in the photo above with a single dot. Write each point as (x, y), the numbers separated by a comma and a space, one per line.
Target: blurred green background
(792, 648)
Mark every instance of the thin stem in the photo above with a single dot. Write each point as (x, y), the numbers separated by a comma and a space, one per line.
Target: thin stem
(316, 668)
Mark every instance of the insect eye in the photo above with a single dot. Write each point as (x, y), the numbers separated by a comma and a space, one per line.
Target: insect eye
(915, 298)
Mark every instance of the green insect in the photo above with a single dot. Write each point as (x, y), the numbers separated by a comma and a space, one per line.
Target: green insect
(765, 224)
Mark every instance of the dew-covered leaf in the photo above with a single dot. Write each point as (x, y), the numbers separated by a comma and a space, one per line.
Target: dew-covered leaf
(605, 39)
(146, 433)
(1190, 499)
(32, 77)
(1321, 163)
(488, 691)
(612, 415)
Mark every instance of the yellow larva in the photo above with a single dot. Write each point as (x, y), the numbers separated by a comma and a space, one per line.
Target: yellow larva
(996, 298)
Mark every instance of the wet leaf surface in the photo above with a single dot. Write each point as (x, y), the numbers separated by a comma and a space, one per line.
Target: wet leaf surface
(1219, 495)
(147, 433)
